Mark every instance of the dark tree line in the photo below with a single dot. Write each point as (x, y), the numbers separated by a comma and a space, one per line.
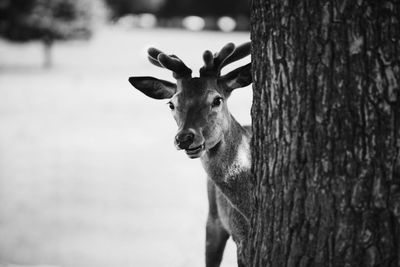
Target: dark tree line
(120, 8)
(206, 8)
(179, 8)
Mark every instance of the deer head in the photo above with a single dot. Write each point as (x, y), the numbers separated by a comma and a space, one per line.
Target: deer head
(198, 104)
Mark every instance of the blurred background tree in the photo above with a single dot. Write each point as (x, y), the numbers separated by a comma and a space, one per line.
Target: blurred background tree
(48, 21)
(121, 8)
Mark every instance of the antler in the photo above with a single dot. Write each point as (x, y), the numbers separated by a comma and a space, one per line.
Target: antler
(171, 62)
(228, 54)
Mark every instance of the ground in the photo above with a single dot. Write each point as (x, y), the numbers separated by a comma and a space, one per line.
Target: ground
(89, 175)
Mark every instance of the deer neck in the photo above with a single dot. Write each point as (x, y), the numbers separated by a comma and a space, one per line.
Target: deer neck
(230, 159)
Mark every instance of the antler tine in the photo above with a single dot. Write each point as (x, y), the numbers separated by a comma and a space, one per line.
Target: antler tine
(228, 54)
(152, 56)
(154, 62)
(240, 52)
(212, 63)
(225, 52)
(208, 58)
(171, 62)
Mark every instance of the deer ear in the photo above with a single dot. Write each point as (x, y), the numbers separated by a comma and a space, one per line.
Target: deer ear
(153, 87)
(237, 78)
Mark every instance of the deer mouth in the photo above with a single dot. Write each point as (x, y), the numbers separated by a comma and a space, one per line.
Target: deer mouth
(195, 151)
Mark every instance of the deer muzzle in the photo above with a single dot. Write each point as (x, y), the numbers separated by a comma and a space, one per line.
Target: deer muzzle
(183, 140)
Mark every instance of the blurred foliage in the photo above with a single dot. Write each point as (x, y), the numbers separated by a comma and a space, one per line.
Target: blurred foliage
(24, 20)
(120, 8)
(180, 8)
(205, 8)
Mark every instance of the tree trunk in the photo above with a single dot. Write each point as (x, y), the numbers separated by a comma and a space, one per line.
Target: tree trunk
(48, 43)
(326, 125)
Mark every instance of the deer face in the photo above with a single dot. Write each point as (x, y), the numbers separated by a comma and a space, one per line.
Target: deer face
(198, 105)
(200, 111)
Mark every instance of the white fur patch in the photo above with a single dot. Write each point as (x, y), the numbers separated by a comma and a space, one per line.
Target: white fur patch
(242, 161)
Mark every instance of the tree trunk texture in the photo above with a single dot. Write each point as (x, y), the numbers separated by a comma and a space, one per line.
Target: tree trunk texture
(326, 126)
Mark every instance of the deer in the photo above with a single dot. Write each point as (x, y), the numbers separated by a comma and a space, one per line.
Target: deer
(207, 130)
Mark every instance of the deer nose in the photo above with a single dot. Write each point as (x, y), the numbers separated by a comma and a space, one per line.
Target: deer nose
(184, 139)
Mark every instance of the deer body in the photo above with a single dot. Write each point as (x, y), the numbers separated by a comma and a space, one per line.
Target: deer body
(208, 131)
(228, 169)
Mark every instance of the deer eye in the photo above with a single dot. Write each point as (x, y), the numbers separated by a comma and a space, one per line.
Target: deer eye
(171, 106)
(217, 102)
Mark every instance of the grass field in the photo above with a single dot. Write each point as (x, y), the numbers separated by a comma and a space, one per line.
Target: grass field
(89, 175)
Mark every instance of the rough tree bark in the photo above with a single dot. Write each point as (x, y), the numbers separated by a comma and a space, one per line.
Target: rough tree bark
(326, 123)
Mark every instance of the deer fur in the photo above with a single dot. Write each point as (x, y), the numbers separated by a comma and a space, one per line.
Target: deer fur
(207, 130)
